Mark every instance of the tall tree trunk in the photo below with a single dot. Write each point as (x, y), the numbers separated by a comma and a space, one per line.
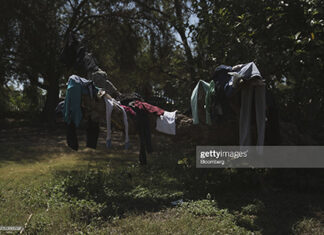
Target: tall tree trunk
(52, 99)
(179, 26)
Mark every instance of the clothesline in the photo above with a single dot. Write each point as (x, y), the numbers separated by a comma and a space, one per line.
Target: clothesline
(84, 101)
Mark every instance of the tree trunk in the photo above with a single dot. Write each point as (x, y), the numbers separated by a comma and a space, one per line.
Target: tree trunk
(179, 26)
(52, 99)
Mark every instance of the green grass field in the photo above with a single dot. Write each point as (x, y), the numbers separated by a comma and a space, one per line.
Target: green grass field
(107, 192)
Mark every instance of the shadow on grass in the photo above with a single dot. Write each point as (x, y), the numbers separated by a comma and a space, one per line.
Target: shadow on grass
(261, 200)
(25, 145)
(113, 185)
(94, 192)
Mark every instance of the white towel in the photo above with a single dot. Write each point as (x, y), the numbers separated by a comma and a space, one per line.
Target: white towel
(166, 123)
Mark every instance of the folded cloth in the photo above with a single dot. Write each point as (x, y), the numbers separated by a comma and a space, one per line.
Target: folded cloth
(166, 123)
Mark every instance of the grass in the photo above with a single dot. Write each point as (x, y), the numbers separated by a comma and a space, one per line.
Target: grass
(107, 192)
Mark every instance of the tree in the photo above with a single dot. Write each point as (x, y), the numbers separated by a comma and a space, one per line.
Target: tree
(282, 37)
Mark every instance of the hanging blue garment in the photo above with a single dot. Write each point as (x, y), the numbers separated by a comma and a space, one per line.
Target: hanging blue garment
(72, 104)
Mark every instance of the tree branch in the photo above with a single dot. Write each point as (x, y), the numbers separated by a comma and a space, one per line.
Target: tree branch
(73, 20)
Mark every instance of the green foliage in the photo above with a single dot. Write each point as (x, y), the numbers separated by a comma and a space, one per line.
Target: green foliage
(281, 37)
(4, 105)
(308, 226)
(254, 208)
(203, 207)
(41, 224)
(15, 101)
(166, 46)
(94, 194)
(226, 220)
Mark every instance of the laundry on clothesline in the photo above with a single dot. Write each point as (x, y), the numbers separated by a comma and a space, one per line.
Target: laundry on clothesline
(166, 123)
(226, 82)
(78, 88)
(85, 101)
(112, 104)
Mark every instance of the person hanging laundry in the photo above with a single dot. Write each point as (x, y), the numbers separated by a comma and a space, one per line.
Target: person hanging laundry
(166, 123)
(112, 104)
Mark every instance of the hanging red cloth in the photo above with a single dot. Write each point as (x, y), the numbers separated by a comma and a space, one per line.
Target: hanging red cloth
(148, 107)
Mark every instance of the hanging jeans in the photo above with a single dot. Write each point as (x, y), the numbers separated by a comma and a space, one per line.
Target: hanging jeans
(143, 127)
(245, 114)
(92, 135)
(71, 137)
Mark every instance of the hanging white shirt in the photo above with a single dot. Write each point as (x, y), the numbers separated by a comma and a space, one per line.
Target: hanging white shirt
(109, 108)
